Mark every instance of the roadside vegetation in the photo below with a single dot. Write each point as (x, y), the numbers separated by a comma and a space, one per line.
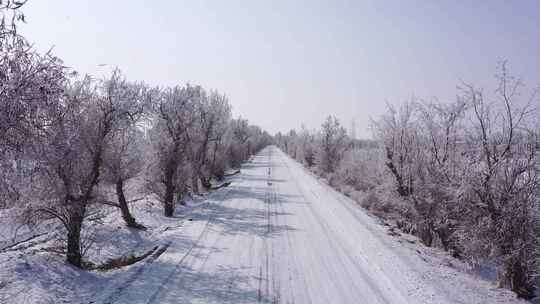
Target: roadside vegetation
(463, 176)
(72, 146)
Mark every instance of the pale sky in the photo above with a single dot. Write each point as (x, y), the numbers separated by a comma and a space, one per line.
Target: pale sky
(284, 63)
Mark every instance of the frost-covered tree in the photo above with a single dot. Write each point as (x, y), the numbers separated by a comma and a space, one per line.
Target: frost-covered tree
(29, 82)
(218, 152)
(174, 117)
(72, 156)
(30, 86)
(123, 163)
(438, 166)
(396, 131)
(332, 144)
(258, 139)
(213, 115)
(238, 141)
(122, 160)
(502, 182)
(307, 146)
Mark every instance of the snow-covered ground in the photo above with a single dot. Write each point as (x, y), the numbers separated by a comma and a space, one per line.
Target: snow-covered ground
(276, 235)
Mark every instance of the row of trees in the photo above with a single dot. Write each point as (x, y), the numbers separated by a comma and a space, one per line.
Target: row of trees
(67, 139)
(464, 176)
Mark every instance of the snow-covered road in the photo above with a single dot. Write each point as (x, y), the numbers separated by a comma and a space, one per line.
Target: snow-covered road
(279, 235)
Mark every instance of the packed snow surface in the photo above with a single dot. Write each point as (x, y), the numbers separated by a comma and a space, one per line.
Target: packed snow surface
(278, 234)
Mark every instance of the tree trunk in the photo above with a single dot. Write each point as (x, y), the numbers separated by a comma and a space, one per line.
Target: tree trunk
(425, 232)
(401, 188)
(170, 187)
(169, 201)
(76, 217)
(213, 163)
(515, 276)
(124, 208)
(195, 184)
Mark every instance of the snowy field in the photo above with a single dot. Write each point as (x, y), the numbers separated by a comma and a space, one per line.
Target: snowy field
(276, 235)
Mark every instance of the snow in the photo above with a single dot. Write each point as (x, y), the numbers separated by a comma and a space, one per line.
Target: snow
(277, 234)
